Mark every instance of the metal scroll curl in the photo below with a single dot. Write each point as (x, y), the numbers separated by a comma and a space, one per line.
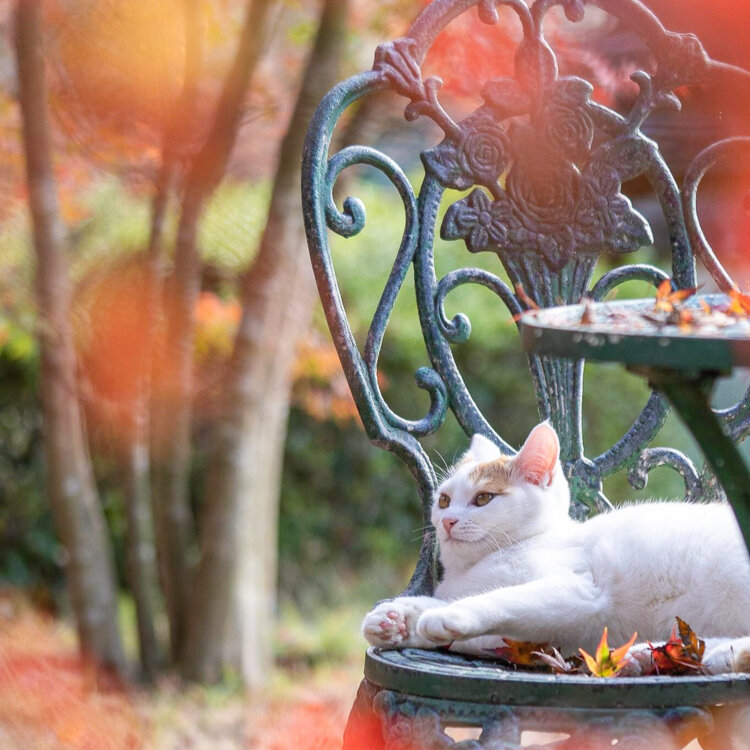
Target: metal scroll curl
(458, 329)
(319, 173)
(654, 413)
(651, 458)
(349, 223)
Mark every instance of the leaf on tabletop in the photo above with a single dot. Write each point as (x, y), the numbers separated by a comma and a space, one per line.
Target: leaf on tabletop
(685, 320)
(695, 646)
(608, 662)
(667, 298)
(521, 653)
(588, 312)
(739, 304)
(555, 660)
(681, 654)
(525, 299)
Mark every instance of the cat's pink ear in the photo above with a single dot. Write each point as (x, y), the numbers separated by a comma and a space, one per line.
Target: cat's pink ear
(537, 459)
(483, 450)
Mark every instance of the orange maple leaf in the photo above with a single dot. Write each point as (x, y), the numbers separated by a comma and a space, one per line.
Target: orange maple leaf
(608, 662)
(667, 298)
(521, 653)
(739, 303)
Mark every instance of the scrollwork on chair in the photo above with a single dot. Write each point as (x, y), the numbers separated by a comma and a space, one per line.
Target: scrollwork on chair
(545, 165)
(651, 458)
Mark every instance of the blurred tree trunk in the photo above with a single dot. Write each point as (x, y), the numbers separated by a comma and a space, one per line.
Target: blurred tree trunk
(142, 555)
(174, 415)
(231, 619)
(72, 492)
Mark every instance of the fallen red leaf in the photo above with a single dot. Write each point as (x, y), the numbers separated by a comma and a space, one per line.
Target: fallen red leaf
(681, 654)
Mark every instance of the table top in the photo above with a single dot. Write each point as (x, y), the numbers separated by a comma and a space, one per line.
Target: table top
(634, 332)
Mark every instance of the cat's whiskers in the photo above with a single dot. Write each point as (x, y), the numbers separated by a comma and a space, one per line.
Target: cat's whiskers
(493, 529)
(446, 467)
(489, 545)
(421, 532)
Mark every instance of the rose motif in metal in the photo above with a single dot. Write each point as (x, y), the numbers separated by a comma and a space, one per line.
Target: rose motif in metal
(546, 188)
(548, 160)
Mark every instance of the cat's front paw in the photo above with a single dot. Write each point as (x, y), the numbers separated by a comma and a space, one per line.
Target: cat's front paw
(443, 625)
(391, 624)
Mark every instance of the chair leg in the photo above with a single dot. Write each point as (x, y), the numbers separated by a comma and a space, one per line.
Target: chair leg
(364, 729)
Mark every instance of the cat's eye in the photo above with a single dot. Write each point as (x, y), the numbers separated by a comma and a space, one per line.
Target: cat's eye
(444, 501)
(482, 498)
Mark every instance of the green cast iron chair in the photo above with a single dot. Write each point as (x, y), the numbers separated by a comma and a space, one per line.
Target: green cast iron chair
(544, 163)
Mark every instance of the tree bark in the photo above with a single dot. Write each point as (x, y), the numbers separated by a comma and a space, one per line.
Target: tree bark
(235, 596)
(174, 412)
(72, 492)
(139, 542)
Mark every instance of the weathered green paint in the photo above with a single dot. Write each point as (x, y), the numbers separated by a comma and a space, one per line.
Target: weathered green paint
(560, 332)
(443, 675)
(559, 206)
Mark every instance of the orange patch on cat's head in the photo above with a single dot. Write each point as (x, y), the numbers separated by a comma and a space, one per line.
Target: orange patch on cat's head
(494, 476)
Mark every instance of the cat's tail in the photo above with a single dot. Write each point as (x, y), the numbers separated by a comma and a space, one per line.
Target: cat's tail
(721, 656)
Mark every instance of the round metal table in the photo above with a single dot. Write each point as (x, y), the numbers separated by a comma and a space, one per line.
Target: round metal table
(682, 362)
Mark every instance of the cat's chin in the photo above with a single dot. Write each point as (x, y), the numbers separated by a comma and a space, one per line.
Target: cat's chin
(452, 540)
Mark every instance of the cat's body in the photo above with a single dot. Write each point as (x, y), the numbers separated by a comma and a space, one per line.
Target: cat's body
(515, 565)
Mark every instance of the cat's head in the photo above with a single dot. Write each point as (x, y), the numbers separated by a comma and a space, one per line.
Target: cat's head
(489, 500)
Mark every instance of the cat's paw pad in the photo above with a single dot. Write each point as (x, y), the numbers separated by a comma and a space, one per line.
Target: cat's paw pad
(385, 629)
(446, 624)
(391, 624)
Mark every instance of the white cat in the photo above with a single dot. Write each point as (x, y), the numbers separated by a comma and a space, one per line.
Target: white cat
(516, 565)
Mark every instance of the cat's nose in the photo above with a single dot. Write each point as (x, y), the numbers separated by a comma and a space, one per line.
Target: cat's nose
(449, 523)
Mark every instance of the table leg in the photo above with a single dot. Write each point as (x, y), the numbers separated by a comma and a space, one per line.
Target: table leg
(690, 396)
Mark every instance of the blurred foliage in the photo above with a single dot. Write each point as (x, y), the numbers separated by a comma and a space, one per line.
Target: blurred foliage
(350, 523)
(29, 552)
(232, 224)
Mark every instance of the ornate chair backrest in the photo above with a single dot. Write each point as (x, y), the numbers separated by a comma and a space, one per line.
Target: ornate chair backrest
(545, 164)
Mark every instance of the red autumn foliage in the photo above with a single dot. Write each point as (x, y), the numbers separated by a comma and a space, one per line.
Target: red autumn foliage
(110, 329)
(681, 654)
(50, 697)
(469, 51)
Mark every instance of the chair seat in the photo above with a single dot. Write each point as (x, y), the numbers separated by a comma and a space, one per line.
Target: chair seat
(446, 676)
